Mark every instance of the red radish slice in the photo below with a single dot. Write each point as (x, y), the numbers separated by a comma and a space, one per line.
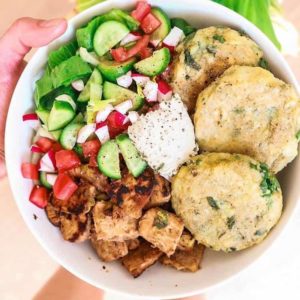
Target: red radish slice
(124, 107)
(125, 80)
(78, 85)
(174, 37)
(85, 132)
(39, 196)
(155, 43)
(150, 91)
(32, 120)
(164, 91)
(30, 171)
(103, 114)
(171, 48)
(133, 116)
(131, 37)
(117, 119)
(47, 163)
(36, 149)
(51, 178)
(140, 79)
(102, 132)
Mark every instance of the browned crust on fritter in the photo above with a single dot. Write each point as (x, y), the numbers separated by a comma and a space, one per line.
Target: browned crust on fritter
(75, 228)
(132, 194)
(186, 242)
(182, 260)
(143, 257)
(133, 244)
(52, 214)
(80, 202)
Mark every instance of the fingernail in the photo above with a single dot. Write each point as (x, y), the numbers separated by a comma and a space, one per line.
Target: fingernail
(51, 23)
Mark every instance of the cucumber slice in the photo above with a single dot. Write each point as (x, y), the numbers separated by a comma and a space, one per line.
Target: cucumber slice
(111, 70)
(69, 134)
(78, 149)
(108, 160)
(61, 114)
(44, 182)
(86, 34)
(165, 27)
(183, 25)
(43, 114)
(120, 94)
(95, 78)
(135, 164)
(68, 99)
(155, 64)
(63, 53)
(78, 119)
(70, 70)
(108, 35)
(56, 134)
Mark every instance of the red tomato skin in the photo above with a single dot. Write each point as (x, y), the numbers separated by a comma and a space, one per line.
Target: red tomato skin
(145, 53)
(91, 148)
(66, 160)
(64, 187)
(30, 171)
(39, 196)
(44, 144)
(150, 23)
(93, 161)
(142, 9)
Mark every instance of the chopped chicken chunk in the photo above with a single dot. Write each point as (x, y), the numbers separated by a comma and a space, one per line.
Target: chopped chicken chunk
(186, 242)
(132, 244)
(53, 214)
(162, 229)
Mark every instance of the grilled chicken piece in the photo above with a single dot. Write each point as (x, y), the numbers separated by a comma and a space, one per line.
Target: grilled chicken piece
(184, 260)
(53, 214)
(132, 194)
(133, 244)
(143, 257)
(186, 242)
(80, 202)
(109, 250)
(75, 228)
(92, 176)
(162, 229)
(112, 224)
(161, 193)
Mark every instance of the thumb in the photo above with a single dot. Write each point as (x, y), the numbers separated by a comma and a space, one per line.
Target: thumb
(27, 33)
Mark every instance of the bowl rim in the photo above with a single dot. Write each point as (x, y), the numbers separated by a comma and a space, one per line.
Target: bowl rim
(258, 34)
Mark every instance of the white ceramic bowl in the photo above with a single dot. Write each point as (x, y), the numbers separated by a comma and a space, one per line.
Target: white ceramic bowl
(80, 259)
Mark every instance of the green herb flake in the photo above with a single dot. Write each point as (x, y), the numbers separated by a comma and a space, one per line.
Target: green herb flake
(259, 232)
(213, 203)
(198, 161)
(161, 219)
(230, 222)
(298, 135)
(254, 166)
(263, 64)
(219, 38)
(239, 110)
(189, 60)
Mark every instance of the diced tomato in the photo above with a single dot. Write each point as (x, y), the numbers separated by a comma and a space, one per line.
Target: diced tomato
(121, 54)
(64, 187)
(66, 160)
(44, 143)
(93, 161)
(91, 148)
(39, 196)
(142, 9)
(56, 147)
(30, 171)
(150, 23)
(115, 124)
(145, 53)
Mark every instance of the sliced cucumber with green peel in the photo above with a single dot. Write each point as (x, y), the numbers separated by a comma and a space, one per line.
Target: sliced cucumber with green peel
(61, 114)
(68, 99)
(155, 64)
(111, 70)
(43, 179)
(43, 114)
(78, 119)
(135, 164)
(108, 35)
(69, 134)
(78, 149)
(108, 160)
(56, 134)
(165, 27)
(95, 78)
(120, 94)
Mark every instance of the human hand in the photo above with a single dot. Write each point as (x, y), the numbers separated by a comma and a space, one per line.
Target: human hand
(19, 39)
